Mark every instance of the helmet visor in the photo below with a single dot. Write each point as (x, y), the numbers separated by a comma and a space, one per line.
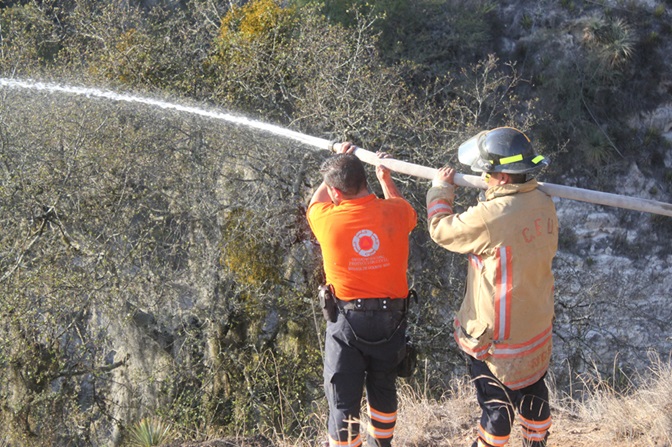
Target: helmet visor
(469, 152)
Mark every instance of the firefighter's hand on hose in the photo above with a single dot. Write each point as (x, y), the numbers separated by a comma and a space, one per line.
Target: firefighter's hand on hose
(383, 173)
(445, 176)
(346, 148)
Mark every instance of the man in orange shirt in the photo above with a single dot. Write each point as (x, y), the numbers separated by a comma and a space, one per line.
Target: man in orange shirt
(365, 248)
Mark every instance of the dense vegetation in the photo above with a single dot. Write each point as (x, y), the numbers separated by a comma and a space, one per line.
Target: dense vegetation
(157, 264)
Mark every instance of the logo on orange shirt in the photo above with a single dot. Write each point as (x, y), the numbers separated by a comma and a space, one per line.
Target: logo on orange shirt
(366, 243)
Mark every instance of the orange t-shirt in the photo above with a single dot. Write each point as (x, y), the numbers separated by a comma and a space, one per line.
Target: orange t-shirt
(364, 245)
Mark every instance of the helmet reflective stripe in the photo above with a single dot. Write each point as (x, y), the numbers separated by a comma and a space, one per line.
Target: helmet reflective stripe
(512, 159)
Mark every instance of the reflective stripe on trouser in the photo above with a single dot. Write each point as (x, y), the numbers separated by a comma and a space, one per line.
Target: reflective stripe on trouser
(499, 405)
(381, 426)
(351, 365)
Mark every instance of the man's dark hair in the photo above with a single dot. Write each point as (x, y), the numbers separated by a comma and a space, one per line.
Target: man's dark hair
(344, 172)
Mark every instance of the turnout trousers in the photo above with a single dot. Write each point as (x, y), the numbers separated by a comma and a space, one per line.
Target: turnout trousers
(362, 350)
(500, 404)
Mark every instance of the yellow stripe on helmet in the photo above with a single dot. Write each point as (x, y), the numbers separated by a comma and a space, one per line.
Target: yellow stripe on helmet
(511, 159)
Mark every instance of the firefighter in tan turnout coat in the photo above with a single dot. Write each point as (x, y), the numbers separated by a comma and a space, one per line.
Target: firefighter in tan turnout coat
(504, 324)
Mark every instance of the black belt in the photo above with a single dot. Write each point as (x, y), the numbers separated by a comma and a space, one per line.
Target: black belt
(373, 304)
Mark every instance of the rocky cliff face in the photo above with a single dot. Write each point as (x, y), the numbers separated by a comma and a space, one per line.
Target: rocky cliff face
(613, 280)
(612, 291)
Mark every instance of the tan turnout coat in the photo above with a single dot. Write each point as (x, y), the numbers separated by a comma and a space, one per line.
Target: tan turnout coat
(507, 313)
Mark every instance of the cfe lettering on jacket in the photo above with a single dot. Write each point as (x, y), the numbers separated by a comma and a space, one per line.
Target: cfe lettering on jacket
(538, 228)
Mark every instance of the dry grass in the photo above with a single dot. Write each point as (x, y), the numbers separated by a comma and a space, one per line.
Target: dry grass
(448, 421)
(641, 416)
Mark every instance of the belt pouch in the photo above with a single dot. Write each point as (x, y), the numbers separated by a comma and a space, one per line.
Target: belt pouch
(327, 303)
(407, 366)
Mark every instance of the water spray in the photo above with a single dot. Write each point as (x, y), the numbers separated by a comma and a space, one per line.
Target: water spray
(402, 167)
(113, 96)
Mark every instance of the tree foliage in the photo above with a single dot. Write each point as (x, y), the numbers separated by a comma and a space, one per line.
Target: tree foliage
(139, 280)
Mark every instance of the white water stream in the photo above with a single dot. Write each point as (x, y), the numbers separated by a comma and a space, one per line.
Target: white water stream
(567, 192)
(113, 96)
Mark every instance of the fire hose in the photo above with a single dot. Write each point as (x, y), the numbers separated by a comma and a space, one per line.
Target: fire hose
(560, 191)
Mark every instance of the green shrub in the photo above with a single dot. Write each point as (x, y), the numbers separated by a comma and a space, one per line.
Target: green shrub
(150, 432)
(611, 40)
(659, 10)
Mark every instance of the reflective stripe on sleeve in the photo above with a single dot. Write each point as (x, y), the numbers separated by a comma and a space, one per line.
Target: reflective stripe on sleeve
(440, 206)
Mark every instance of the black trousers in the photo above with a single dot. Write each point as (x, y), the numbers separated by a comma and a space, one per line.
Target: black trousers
(362, 350)
(499, 405)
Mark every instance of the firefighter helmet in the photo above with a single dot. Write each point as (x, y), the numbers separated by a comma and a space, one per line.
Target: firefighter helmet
(503, 149)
